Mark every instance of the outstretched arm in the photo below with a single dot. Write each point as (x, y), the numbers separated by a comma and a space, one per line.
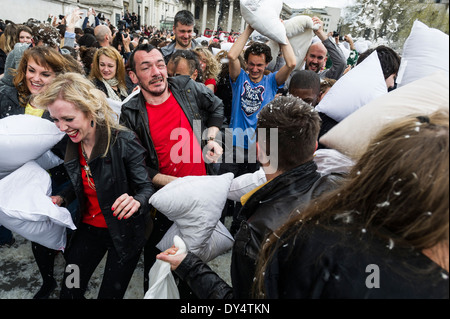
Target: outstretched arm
(237, 48)
(335, 53)
(289, 57)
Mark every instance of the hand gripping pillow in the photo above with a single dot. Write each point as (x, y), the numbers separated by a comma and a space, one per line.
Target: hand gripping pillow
(24, 138)
(356, 88)
(27, 209)
(162, 284)
(299, 32)
(425, 52)
(195, 204)
(220, 241)
(264, 17)
(421, 97)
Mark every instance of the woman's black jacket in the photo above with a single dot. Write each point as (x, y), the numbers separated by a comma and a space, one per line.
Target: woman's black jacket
(122, 170)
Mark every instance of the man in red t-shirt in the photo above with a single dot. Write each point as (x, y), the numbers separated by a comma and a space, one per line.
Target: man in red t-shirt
(161, 114)
(177, 120)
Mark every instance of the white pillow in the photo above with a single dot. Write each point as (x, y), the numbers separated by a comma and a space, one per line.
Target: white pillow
(162, 284)
(332, 161)
(421, 97)
(195, 204)
(425, 52)
(300, 34)
(264, 17)
(226, 46)
(327, 161)
(245, 183)
(26, 208)
(358, 87)
(24, 138)
(344, 50)
(362, 45)
(49, 160)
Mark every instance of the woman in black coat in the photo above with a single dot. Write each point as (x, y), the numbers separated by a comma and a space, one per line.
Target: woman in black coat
(106, 164)
(38, 67)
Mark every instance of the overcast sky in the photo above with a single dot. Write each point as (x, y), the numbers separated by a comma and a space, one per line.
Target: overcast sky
(297, 4)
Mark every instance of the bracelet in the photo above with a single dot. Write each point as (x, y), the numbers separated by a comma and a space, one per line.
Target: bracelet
(211, 138)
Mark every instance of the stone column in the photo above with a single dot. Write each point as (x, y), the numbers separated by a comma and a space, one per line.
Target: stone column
(216, 16)
(230, 15)
(205, 14)
(242, 25)
(193, 7)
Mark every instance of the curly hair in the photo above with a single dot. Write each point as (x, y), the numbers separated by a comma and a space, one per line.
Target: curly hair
(258, 48)
(213, 67)
(47, 34)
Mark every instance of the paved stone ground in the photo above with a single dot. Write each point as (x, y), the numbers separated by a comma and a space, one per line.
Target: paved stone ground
(20, 277)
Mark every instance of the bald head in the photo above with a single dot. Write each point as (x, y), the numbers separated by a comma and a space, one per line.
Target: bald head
(316, 57)
(103, 35)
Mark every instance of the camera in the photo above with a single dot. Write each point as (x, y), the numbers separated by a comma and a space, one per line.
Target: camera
(335, 34)
(61, 17)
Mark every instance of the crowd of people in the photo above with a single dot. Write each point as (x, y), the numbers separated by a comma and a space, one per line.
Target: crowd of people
(298, 234)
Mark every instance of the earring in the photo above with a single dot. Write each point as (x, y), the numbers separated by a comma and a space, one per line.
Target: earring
(92, 123)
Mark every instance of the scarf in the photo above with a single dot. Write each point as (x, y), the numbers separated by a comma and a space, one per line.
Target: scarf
(111, 93)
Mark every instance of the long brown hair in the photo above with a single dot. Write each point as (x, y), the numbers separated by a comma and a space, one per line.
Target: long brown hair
(44, 56)
(8, 38)
(399, 186)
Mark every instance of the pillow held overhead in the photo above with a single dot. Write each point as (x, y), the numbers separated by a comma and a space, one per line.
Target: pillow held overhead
(425, 52)
(299, 32)
(264, 17)
(421, 97)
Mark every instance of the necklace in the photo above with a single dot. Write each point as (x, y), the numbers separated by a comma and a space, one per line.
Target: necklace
(87, 169)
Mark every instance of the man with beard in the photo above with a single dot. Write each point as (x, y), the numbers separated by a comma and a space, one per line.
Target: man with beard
(169, 116)
(183, 27)
(316, 57)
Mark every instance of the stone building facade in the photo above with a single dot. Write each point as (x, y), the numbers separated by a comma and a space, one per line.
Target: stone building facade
(209, 14)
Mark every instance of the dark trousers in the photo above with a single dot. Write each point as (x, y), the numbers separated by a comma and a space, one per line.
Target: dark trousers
(6, 235)
(45, 259)
(87, 249)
